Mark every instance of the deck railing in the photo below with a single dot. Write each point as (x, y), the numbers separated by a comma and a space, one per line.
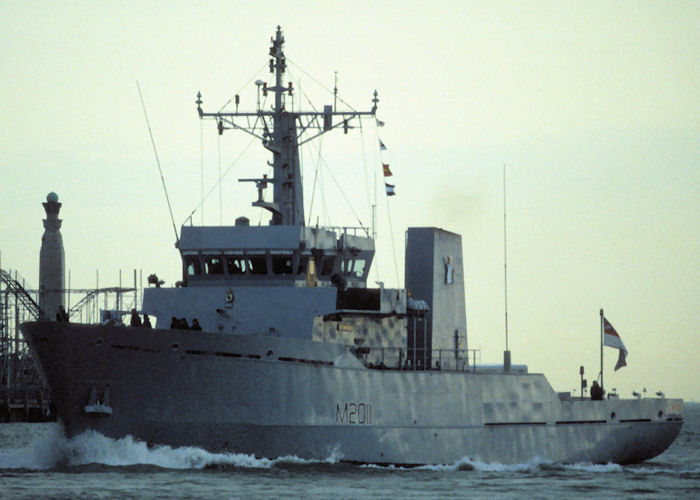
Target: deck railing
(398, 358)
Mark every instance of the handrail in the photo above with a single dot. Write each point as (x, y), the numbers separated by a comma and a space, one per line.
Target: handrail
(401, 358)
(352, 230)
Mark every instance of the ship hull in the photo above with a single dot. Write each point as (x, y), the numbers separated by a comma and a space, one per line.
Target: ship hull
(272, 397)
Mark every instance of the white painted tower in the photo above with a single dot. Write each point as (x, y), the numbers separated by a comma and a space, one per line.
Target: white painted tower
(51, 261)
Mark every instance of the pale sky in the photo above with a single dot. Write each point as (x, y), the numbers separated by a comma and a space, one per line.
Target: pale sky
(593, 106)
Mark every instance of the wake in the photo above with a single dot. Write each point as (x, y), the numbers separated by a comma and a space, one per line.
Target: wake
(53, 450)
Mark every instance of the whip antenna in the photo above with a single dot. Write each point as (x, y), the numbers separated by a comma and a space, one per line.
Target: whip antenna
(160, 170)
(506, 353)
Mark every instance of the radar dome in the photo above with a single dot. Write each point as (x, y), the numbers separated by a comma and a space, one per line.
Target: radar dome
(52, 197)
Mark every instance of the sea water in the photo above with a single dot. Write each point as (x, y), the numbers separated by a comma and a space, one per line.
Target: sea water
(36, 460)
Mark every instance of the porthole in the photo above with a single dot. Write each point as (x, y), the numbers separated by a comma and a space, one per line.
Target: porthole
(99, 341)
(175, 347)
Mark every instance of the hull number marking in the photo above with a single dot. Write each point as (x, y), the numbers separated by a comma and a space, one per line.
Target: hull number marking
(353, 413)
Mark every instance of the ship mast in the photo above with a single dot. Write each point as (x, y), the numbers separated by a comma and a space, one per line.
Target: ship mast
(281, 133)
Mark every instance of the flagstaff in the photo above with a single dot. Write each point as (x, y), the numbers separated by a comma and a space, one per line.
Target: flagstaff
(602, 329)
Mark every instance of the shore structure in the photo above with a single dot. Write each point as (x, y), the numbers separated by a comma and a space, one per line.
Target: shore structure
(24, 394)
(52, 262)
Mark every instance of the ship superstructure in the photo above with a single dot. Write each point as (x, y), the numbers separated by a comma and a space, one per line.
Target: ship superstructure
(243, 278)
(298, 356)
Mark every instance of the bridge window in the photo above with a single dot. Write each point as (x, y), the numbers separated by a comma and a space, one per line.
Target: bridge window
(236, 265)
(257, 264)
(214, 265)
(282, 264)
(354, 267)
(359, 267)
(327, 265)
(192, 266)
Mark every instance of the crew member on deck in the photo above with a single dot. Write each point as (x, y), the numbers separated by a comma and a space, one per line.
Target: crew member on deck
(195, 325)
(146, 321)
(62, 315)
(135, 318)
(596, 391)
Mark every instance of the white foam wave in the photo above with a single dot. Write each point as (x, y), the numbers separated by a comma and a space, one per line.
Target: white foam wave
(382, 467)
(535, 464)
(92, 447)
(54, 450)
(467, 463)
(640, 469)
(590, 467)
(41, 453)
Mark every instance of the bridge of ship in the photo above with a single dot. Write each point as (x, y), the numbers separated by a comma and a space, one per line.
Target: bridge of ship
(274, 255)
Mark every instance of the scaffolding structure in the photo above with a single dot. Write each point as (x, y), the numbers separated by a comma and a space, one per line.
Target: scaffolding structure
(24, 394)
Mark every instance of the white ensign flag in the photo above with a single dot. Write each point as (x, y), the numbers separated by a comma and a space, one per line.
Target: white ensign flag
(612, 339)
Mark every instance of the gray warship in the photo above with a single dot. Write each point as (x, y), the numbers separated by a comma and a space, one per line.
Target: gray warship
(298, 356)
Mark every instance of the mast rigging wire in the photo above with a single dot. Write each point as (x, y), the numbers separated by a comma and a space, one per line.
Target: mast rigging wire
(320, 159)
(160, 170)
(257, 72)
(342, 192)
(388, 210)
(313, 189)
(221, 216)
(189, 217)
(313, 193)
(319, 83)
(201, 166)
(393, 245)
(221, 177)
(364, 168)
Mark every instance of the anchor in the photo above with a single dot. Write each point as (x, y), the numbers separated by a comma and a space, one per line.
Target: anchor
(97, 406)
